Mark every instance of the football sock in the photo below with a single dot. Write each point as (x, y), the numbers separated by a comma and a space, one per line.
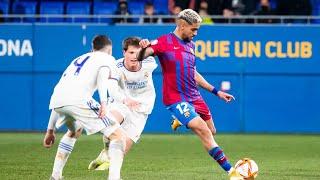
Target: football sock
(65, 147)
(217, 154)
(116, 153)
(103, 156)
(106, 142)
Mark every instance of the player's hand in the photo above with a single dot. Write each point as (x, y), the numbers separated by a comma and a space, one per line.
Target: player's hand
(49, 138)
(103, 110)
(225, 96)
(144, 43)
(132, 104)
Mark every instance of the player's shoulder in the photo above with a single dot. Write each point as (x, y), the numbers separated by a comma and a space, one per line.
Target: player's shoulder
(84, 56)
(102, 55)
(148, 60)
(165, 36)
(161, 39)
(103, 59)
(149, 63)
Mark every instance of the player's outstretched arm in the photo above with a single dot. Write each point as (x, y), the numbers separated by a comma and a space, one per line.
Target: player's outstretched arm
(145, 50)
(206, 85)
(203, 82)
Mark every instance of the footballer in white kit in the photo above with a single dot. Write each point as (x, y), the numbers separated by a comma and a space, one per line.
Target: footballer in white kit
(72, 104)
(135, 80)
(76, 88)
(137, 85)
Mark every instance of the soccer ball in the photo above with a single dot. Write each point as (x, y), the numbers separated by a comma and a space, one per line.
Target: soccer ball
(247, 168)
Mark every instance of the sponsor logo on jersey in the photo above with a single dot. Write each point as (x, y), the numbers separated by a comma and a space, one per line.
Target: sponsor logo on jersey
(191, 50)
(187, 114)
(146, 74)
(136, 85)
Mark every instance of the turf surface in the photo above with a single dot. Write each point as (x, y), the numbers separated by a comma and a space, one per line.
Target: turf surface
(166, 157)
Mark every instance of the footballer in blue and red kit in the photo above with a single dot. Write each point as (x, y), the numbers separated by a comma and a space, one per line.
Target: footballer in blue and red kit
(180, 91)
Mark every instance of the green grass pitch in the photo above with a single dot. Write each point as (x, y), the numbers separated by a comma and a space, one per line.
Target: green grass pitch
(165, 157)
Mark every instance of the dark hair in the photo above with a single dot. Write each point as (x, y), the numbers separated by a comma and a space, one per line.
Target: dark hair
(148, 4)
(100, 41)
(130, 41)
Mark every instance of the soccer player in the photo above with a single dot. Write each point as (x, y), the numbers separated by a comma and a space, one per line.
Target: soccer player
(136, 82)
(72, 104)
(180, 93)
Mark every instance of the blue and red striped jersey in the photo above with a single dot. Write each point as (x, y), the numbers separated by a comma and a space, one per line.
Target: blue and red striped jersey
(177, 59)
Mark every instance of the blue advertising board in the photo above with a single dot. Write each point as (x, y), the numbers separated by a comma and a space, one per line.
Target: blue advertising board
(273, 71)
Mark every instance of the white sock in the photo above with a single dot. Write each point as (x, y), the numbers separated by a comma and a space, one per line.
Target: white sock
(116, 153)
(65, 148)
(103, 156)
(106, 142)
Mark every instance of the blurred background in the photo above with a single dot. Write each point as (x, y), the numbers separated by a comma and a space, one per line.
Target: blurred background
(264, 52)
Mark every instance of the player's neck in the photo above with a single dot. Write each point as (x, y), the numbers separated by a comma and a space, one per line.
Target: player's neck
(133, 68)
(177, 33)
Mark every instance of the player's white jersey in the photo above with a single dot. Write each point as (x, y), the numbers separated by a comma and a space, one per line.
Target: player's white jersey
(138, 85)
(79, 81)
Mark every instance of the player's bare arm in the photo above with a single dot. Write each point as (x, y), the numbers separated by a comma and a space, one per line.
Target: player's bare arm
(202, 82)
(145, 50)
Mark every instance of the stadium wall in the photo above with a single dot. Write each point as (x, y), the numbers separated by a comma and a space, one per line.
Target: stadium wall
(273, 71)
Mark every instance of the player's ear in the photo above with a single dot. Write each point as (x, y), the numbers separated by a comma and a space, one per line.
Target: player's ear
(183, 24)
(123, 52)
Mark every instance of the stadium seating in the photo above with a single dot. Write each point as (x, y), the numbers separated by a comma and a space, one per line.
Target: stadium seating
(136, 8)
(4, 7)
(104, 8)
(52, 8)
(161, 6)
(28, 8)
(79, 8)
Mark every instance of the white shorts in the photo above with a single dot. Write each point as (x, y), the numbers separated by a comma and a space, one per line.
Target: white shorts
(76, 117)
(133, 123)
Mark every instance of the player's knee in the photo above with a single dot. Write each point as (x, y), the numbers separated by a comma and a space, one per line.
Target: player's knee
(117, 135)
(202, 130)
(78, 133)
(74, 134)
(205, 132)
(214, 131)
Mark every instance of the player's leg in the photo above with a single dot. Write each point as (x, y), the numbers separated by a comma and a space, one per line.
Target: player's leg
(129, 132)
(203, 110)
(116, 152)
(102, 161)
(65, 147)
(200, 128)
(211, 126)
(186, 113)
(110, 128)
(132, 126)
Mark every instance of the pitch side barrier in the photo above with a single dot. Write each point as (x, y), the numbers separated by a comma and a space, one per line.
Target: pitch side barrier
(272, 70)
